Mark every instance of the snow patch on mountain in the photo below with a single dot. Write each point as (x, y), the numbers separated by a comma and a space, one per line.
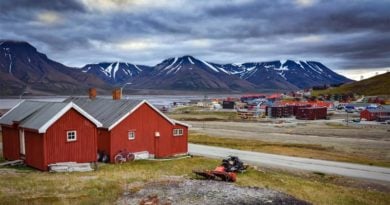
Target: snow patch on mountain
(115, 69)
(85, 71)
(174, 61)
(210, 66)
(281, 68)
(189, 59)
(137, 68)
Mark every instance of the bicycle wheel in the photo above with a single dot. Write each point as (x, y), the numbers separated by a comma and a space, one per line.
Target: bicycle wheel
(119, 159)
(130, 157)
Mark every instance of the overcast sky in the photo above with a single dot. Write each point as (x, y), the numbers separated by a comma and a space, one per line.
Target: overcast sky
(351, 37)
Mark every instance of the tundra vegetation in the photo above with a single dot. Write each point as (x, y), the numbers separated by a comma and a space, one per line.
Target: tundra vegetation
(108, 184)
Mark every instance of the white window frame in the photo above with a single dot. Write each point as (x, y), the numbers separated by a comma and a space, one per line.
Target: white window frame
(131, 135)
(68, 133)
(178, 132)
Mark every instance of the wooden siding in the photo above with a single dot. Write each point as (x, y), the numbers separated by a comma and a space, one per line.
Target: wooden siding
(58, 149)
(35, 150)
(180, 143)
(103, 141)
(312, 113)
(366, 114)
(145, 122)
(11, 148)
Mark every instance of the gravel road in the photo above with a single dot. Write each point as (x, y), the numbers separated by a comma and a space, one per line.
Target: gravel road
(272, 160)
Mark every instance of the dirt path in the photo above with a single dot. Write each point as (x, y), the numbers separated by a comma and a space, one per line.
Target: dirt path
(330, 167)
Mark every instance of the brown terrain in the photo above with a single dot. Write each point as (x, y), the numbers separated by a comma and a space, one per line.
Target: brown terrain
(371, 142)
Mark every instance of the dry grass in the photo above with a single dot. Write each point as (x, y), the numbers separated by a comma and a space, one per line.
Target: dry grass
(315, 188)
(193, 113)
(337, 125)
(105, 186)
(315, 151)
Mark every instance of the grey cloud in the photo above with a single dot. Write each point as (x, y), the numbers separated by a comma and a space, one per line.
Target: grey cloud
(56, 5)
(236, 32)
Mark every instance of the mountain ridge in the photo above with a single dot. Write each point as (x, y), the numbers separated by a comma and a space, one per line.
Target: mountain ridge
(376, 85)
(23, 67)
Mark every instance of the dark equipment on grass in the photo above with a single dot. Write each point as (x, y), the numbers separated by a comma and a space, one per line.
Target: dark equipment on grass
(227, 171)
(102, 156)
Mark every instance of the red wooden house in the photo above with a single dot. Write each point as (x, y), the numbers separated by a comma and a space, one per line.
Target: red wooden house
(135, 126)
(42, 133)
(380, 114)
(311, 113)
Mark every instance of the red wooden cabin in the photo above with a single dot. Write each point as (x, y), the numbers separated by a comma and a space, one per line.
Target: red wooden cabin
(135, 126)
(311, 113)
(42, 133)
(379, 114)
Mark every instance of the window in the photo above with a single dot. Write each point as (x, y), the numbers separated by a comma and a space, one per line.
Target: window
(177, 132)
(71, 135)
(131, 135)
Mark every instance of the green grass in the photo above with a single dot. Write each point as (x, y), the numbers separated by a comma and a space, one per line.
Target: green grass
(105, 185)
(315, 151)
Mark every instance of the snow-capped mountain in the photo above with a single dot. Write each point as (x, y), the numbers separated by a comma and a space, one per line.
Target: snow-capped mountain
(115, 73)
(23, 68)
(189, 73)
(286, 74)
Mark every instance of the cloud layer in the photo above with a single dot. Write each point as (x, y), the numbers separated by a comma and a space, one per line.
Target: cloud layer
(342, 34)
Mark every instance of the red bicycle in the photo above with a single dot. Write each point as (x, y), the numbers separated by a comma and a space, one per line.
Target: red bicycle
(123, 156)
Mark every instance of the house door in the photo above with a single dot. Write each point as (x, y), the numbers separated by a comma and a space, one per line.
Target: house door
(22, 142)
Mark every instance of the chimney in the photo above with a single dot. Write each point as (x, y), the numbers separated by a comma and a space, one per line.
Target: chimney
(92, 93)
(117, 94)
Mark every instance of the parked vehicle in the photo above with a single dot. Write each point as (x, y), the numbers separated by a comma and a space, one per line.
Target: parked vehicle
(355, 120)
(349, 110)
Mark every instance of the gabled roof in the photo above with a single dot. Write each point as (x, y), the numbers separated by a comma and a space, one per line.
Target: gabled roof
(111, 112)
(21, 111)
(379, 110)
(41, 115)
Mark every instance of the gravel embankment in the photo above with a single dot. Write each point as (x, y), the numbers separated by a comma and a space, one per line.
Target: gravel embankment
(206, 192)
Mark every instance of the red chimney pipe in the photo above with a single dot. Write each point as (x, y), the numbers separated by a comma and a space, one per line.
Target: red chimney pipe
(92, 93)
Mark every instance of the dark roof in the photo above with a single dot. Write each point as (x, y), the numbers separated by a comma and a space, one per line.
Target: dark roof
(39, 116)
(386, 107)
(21, 111)
(110, 112)
(360, 104)
(379, 110)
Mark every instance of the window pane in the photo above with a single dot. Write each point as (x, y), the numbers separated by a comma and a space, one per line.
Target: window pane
(131, 135)
(71, 135)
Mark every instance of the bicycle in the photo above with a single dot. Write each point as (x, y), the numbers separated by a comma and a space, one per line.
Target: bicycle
(123, 156)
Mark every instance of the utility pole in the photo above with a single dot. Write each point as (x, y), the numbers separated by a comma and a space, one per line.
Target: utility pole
(124, 87)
